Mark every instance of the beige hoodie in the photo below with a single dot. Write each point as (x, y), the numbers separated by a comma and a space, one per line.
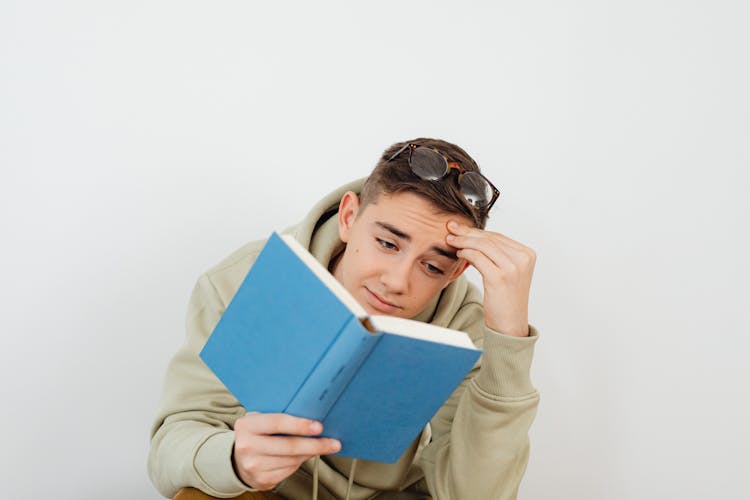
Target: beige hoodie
(475, 447)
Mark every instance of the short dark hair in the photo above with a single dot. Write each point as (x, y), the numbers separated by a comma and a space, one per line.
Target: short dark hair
(395, 176)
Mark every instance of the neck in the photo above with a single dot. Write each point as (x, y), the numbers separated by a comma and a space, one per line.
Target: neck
(334, 265)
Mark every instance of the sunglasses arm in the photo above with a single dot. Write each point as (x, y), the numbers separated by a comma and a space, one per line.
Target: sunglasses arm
(399, 152)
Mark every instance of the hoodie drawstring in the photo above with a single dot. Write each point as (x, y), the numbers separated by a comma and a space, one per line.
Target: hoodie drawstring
(315, 478)
(352, 469)
(351, 478)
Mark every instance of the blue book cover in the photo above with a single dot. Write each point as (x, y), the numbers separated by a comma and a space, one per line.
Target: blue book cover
(293, 340)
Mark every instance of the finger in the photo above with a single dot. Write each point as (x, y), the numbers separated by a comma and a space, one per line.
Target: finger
(484, 265)
(502, 257)
(270, 463)
(497, 238)
(508, 257)
(279, 423)
(463, 230)
(291, 461)
(293, 446)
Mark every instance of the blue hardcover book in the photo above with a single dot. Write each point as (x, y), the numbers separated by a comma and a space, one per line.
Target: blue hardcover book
(293, 340)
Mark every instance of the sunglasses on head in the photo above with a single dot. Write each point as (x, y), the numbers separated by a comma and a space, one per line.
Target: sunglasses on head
(430, 165)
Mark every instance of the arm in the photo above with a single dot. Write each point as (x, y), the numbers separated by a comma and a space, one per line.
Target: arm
(202, 436)
(480, 445)
(192, 438)
(480, 436)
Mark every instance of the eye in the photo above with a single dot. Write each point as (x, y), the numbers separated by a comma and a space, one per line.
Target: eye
(434, 270)
(386, 244)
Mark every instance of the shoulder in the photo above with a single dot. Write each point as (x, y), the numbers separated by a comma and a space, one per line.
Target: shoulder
(224, 279)
(226, 276)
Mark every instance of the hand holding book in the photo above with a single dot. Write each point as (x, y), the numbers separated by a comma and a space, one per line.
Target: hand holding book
(269, 447)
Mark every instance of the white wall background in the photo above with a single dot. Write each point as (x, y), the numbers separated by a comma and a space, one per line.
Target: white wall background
(140, 142)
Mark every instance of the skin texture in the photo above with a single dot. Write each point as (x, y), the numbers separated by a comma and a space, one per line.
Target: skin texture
(393, 252)
(400, 253)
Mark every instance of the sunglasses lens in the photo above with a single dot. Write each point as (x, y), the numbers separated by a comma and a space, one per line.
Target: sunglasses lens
(475, 189)
(428, 164)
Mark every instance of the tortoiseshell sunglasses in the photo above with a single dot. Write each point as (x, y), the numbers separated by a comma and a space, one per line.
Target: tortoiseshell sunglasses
(431, 165)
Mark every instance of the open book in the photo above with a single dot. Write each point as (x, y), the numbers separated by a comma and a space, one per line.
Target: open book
(293, 340)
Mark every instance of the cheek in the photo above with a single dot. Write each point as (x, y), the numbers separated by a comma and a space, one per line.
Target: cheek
(368, 253)
(365, 260)
(428, 288)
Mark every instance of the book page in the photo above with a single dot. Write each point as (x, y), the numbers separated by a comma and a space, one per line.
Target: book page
(422, 331)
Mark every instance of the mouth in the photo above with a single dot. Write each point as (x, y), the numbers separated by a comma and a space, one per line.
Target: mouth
(380, 304)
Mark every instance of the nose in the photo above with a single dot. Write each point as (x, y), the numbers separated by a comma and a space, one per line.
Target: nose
(395, 277)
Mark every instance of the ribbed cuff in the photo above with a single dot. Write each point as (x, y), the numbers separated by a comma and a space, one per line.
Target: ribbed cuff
(506, 363)
(213, 463)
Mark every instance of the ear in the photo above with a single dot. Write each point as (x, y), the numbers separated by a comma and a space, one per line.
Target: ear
(463, 265)
(348, 208)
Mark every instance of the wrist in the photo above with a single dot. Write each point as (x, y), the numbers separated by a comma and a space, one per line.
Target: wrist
(511, 330)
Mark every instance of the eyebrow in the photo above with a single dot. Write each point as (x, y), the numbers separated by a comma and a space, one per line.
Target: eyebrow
(400, 234)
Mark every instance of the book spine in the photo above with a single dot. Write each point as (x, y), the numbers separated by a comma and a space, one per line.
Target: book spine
(333, 372)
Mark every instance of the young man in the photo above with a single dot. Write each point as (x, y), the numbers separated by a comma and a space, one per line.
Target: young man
(398, 241)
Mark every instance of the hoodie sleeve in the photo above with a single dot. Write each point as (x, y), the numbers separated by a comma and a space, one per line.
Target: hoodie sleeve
(480, 443)
(192, 438)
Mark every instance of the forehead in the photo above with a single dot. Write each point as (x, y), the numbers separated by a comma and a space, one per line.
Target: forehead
(409, 211)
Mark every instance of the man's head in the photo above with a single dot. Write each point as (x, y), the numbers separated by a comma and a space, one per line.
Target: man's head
(397, 258)
(394, 175)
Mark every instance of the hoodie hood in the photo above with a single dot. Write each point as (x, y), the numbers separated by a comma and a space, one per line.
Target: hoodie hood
(318, 232)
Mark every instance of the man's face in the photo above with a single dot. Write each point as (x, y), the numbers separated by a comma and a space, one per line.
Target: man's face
(396, 259)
